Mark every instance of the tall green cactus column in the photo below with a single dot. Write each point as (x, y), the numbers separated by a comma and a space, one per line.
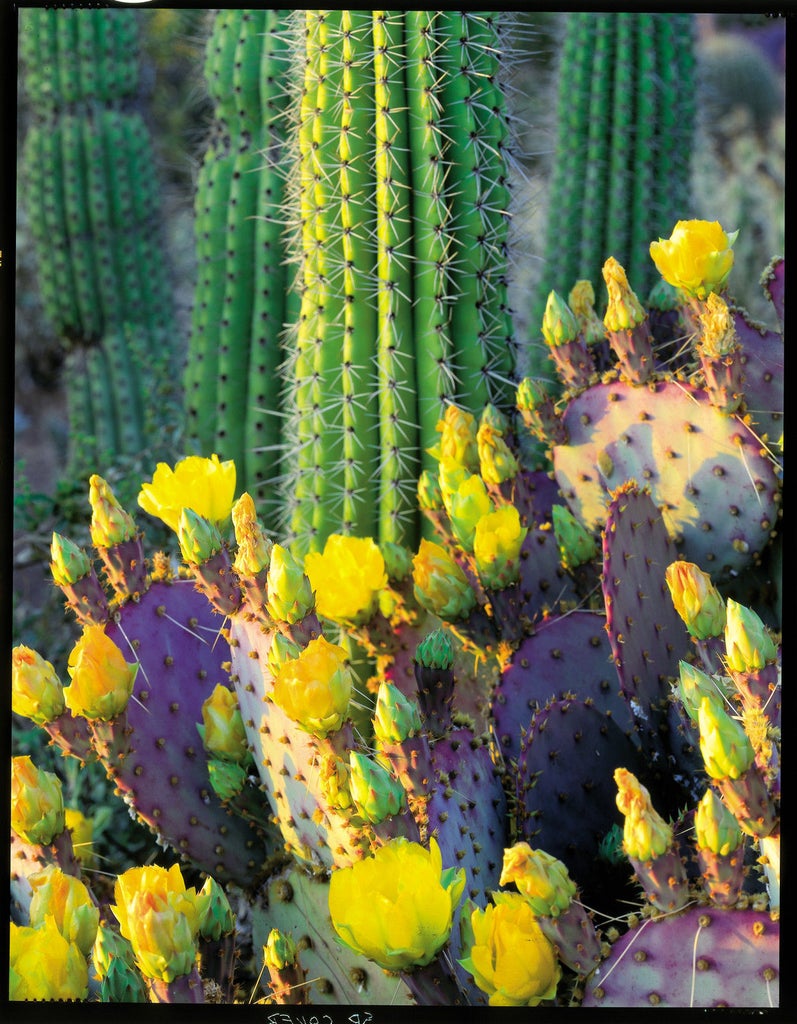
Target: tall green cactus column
(90, 193)
(402, 217)
(232, 385)
(621, 174)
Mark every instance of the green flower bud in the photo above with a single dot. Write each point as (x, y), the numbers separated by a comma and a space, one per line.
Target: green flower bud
(376, 793)
(493, 418)
(450, 476)
(280, 951)
(69, 563)
(290, 596)
(396, 717)
(110, 947)
(530, 394)
(398, 560)
(226, 777)
(541, 878)
(725, 747)
(665, 297)
(199, 538)
(435, 650)
(693, 686)
(224, 733)
(716, 828)
(215, 913)
(748, 645)
(576, 544)
(36, 690)
(559, 326)
(122, 983)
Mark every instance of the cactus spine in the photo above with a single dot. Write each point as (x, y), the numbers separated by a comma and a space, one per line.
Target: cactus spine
(88, 187)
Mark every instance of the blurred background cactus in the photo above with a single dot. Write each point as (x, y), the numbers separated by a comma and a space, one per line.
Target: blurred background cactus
(573, 680)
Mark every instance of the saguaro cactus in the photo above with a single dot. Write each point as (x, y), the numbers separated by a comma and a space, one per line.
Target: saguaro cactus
(621, 169)
(399, 214)
(87, 184)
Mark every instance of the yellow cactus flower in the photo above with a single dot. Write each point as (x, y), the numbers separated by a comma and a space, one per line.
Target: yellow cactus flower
(82, 829)
(315, 688)
(439, 583)
(36, 690)
(540, 877)
(347, 577)
(697, 257)
(45, 965)
(225, 735)
(37, 802)
(646, 835)
(396, 907)
(67, 900)
(110, 523)
(102, 681)
(206, 486)
(696, 599)
(510, 959)
(496, 547)
(160, 918)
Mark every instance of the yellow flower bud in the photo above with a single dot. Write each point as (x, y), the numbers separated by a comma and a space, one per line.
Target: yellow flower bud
(44, 965)
(290, 595)
(496, 547)
(582, 301)
(541, 878)
(510, 959)
(315, 688)
(206, 486)
(450, 475)
(465, 506)
(696, 599)
(496, 461)
(333, 781)
(160, 919)
(37, 802)
(36, 690)
(225, 735)
(110, 523)
(697, 257)
(102, 681)
(458, 439)
(724, 745)
(280, 951)
(716, 828)
(719, 337)
(439, 583)
(624, 310)
(646, 835)
(254, 547)
(396, 907)
(430, 497)
(347, 577)
(67, 900)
